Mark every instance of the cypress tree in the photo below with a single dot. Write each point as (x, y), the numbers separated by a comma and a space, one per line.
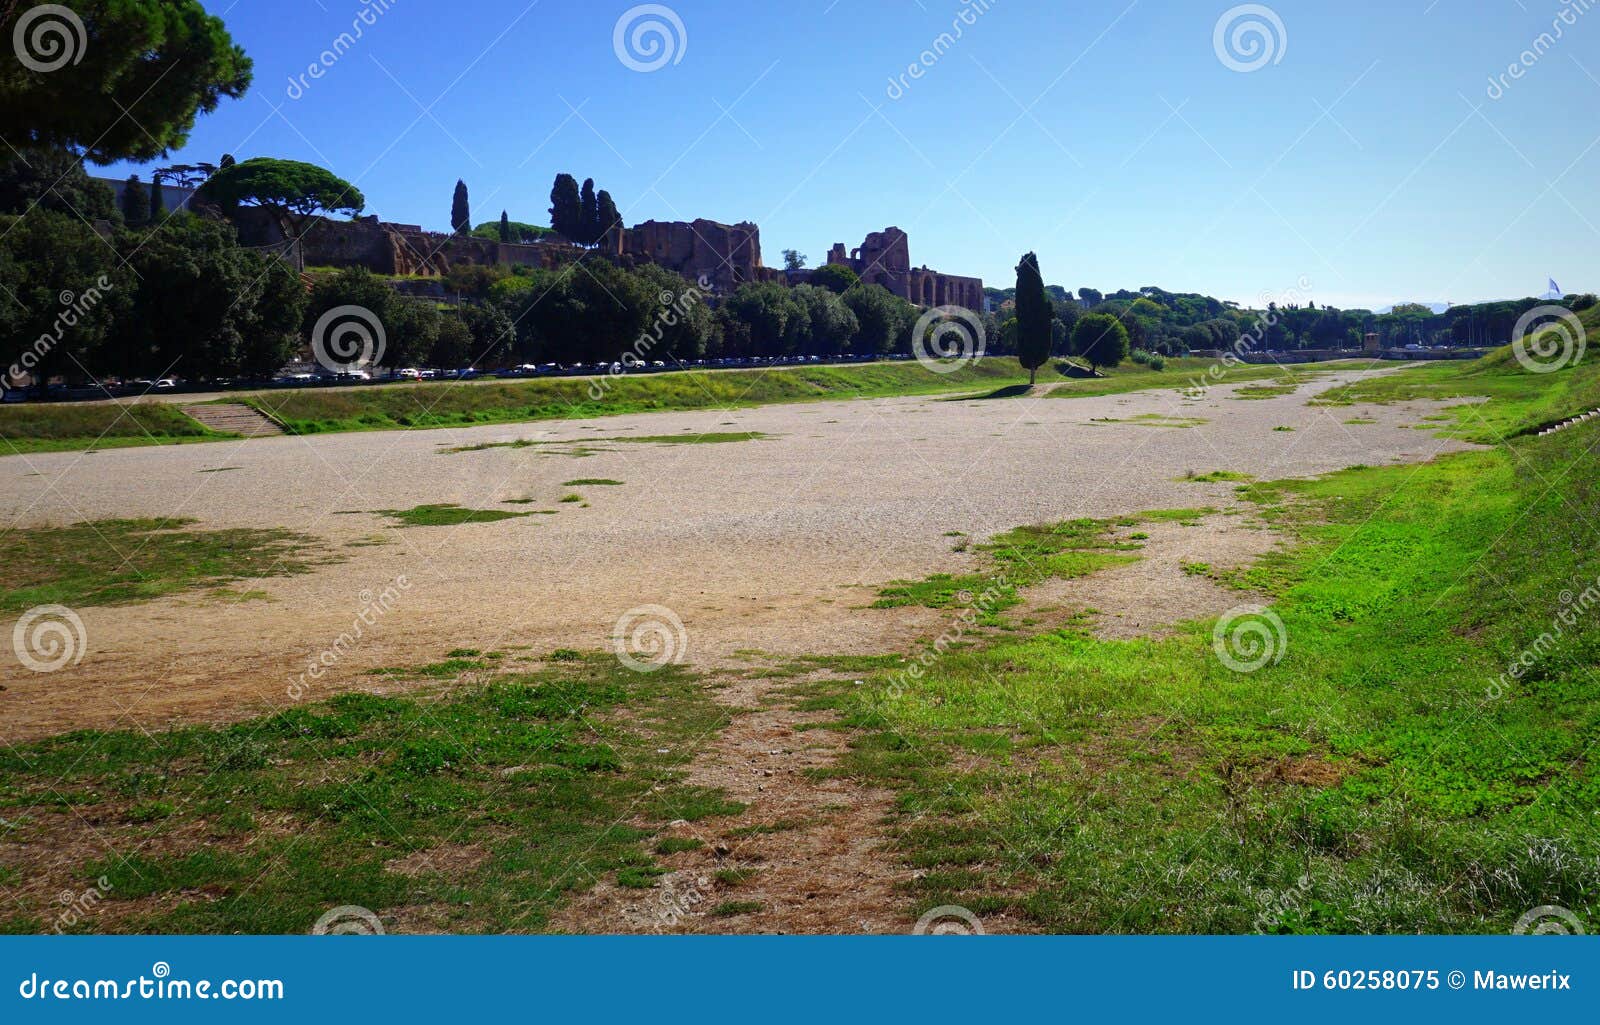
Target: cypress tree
(609, 218)
(566, 209)
(135, 202)
(505, 226)
(1033, 318)
(589, 225)
(158, 204)
(460, 210)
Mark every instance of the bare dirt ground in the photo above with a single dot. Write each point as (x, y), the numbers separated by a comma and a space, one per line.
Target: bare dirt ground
(773, 545)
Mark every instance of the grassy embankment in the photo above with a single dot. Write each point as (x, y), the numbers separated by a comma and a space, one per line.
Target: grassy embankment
(65, 426)
(1383, 776)
(71, 426)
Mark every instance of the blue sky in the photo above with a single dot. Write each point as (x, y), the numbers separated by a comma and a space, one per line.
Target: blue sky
(1366, 163)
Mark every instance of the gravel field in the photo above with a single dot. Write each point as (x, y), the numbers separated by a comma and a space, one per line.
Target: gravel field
(773, 544)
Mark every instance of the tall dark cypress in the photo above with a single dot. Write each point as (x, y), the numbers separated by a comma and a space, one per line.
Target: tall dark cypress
(566, 209)
(135, 202)
(589, 225)
(1033, 318)
(609, 218)
(460, 210)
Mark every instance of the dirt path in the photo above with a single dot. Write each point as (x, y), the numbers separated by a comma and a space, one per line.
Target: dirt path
(804, 857)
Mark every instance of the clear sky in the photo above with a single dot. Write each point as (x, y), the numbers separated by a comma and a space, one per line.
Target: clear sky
(1365, 163)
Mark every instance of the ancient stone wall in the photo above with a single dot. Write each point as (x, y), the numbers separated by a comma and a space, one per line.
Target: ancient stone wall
(394, 249)
(727, 255)
(884, 258)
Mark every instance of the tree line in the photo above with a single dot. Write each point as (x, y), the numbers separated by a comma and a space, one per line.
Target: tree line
(1172, 323)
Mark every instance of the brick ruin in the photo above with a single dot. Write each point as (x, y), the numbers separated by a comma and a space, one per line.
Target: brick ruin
(401, 250)
(726, 255)
(884, 258)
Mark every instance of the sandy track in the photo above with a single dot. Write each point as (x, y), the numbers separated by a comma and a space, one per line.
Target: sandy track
(772, 545)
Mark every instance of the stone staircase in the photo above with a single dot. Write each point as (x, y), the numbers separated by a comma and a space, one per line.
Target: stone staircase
(1582, 418)
(234, 418)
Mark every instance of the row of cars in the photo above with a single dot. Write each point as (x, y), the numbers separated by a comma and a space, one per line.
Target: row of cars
(318, 377)
(658, 366)
(630, 366)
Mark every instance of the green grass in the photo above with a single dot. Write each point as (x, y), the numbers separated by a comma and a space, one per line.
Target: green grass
(678, 845)
(1016, 559)
(556, 777)
(712, 438)
(766, 829)
(112, 562)
(583, 482)
(734, 908)
(1381, 777)
(1153, 420)
(74, 426)
(586, 447)
(1263, 391)
(447, 515)
(1188, 372)
(65, 426)
(457, 405)
(1499, 398)
(1215, 477)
